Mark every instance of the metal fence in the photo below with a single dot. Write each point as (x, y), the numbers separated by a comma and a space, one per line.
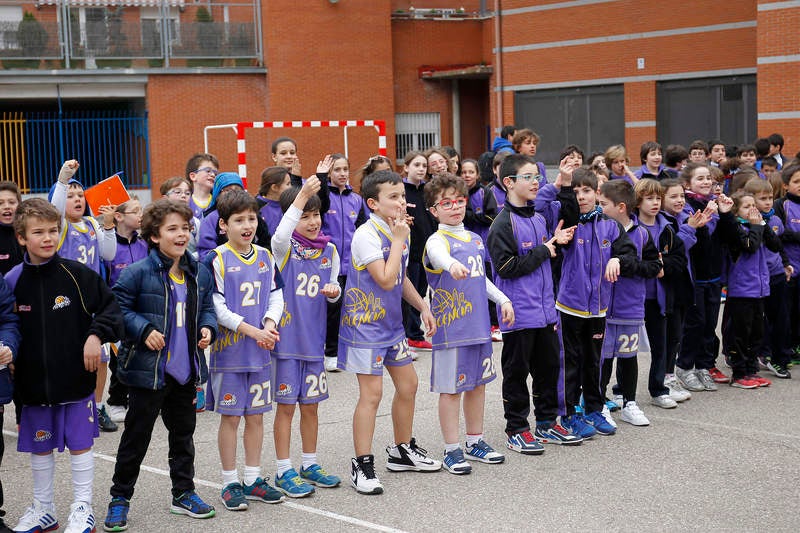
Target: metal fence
(34, 145)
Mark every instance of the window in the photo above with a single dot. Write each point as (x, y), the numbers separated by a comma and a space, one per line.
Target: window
(10, 17)
(152, 28)
(416, 131)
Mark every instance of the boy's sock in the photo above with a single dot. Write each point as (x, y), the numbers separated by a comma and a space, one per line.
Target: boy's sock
(251, 474)
(451, 447)
(43, 468)
(82, 476)
(309, 460)
(229, 476)
(472, 440)
(282, 466)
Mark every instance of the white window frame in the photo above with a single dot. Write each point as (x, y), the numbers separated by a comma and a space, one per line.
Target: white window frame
(424, 129)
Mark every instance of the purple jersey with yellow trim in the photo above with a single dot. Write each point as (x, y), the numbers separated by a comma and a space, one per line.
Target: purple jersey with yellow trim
(178, 364)
(459, 306)
(80, 243)
(197, 208)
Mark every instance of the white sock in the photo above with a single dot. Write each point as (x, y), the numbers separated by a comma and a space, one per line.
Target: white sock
(309, 460)
(451, 447)
(82, 476)
(282, 466)
(230, 476)
(251, 474)
(43, 468)
(472, 440)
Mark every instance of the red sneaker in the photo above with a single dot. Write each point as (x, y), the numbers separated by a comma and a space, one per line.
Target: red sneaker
(718, 376)
(419, 345)
(762, 382)
(744, 383)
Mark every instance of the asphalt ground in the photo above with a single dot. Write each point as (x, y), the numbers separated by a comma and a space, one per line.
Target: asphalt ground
(722, 461)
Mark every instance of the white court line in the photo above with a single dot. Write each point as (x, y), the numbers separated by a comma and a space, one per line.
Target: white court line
(218, 486)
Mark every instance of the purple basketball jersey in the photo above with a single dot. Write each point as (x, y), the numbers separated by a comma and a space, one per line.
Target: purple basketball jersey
(197, 209)
(303, 322)
(178, 364)
(247, 288)
(459, 306)
(624, 338)
(80, 244)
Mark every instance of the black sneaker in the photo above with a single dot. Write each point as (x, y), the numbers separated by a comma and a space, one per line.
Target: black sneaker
(362, 475)
(190, 504)
(104, 421)
(779, 370)
(404, 457)
(117, 516)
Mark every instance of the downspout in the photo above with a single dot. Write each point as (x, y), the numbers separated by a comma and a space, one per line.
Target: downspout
(498, 60)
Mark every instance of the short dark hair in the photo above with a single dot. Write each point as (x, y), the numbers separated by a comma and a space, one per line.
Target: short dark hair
(674, 154)
(441, 183)
(776, 139)
(279, 140)
(669, 183)
(507, 130)
(584, 177)
(512, 164)
(687, 172)
(35, 208)
(762, 147)
(770, 161)
(569, 149)
(714, 142)
(196, 159)
(699, 145)
(234, 202)
(271, 176)
(289, 195)
(173, 182)
(786, 174)
(745, 148)
(155, 213)
(648, 147)
(370, 185)
(10, 186)
(619, 191)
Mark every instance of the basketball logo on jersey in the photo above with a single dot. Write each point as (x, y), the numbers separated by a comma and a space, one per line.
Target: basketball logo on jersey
(447, 307)
(228, 400)
(605, 244)
(262, 267)
(361, 308)
(461, 380)
(61, 302)
(325, 263)
(284, 389)
(41, 435)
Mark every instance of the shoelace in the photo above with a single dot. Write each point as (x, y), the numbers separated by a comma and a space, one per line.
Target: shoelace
(193, 498)
(527, 437)
(368, 469)
(236, 491)
(422, 452)
(116, 511)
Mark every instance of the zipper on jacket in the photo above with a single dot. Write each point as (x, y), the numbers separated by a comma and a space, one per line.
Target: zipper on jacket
(44, 337)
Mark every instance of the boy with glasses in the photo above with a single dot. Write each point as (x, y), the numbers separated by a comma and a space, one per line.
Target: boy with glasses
(201, 170)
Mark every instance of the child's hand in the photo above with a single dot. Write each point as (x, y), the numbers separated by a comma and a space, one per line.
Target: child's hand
(107, 212)
(712, 208)
(330, 290)
(310, 187)
(399, 226)
(91, 353)
(565, 169)
(661, 272)
(271, 335)
(155, 341)
(324, 166)
(458, 271)
(563, 235)
(5, 355)
(205, 338)
(789, 271)
(725, 203)
(612, 269)
(68, 170)
(296, 167)
(551, 246)
(427, 318)
(754, 216)
(507, 310)
(698, 219)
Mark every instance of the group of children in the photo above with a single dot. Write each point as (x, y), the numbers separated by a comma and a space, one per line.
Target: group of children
(212, 284)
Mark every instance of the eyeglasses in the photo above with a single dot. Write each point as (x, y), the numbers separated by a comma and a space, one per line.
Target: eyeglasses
(448, 204)
(208, 170)
(527, 177)
(138, 211)
(180, 192)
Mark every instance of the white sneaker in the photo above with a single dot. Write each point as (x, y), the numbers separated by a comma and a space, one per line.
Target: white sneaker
(707, 381)
(664, 402)
(405, 457)
(330, 364)
(676, 390)
(37, 518)
(497, 335)
(607, 415)
(413, 353)
(633, 415)
(689, 379)
(362, 476)
(116, 412)
(81, 518)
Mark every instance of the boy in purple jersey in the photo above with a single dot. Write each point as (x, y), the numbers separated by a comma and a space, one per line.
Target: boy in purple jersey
(166, 301)
(83, 240)
(454, 261)
(372, 337)
(55, 378)
(201, 171)
(310, 263)
(248, 301)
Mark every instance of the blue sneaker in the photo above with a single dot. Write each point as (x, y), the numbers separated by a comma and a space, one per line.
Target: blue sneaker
(190, 504)
(599, 423)
(232, 496)
(577, 424)
(612, 405)
(261, 491)
(554, 433)
(117, 516)
(524, 443)
(481, 451)
(319, 477)
(455, 463)
(292, 485)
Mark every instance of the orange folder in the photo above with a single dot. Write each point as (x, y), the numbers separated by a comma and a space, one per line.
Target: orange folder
(109, 191)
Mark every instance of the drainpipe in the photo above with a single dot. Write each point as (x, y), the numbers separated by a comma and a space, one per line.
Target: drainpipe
(456, 103)
(498, 61)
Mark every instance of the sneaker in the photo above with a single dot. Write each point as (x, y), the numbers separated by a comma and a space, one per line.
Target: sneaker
(664, 401)
(362, 475)
(676, 390)
(598, 422)
(117, 516)
(524, 443)
(555, 433)
(319, 477)
(420, 345)
(497, 336)
(706, 379)
(763, 363)
(718, 376)
(200, 397)
(410, 457)
(413, 353)
(37, 519)
(104, 421)
(723, 295)
(779, 370)
(481, 451)
(291, 484)
(81, 519)
(455, 463)
(744, 382)
(262, 491)
(117, 412)
(689, 379)
(606, 412)
(618, 401)
(331, 364)
(190, 504)
(612, 406)
(633, 415)
(578, 426)
(762, 382)
(232, 496)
